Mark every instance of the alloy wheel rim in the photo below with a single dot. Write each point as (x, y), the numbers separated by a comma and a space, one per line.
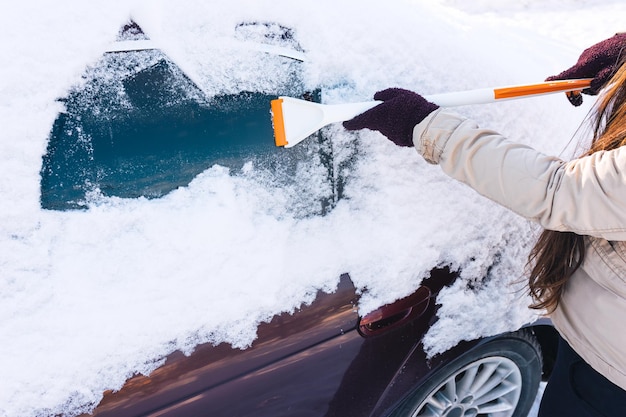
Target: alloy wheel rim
(487, 387)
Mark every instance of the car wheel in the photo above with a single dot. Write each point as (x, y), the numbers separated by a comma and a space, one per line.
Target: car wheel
(499, 378)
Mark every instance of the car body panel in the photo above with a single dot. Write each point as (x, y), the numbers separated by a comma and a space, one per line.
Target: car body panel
(311, 362)
(278, 342)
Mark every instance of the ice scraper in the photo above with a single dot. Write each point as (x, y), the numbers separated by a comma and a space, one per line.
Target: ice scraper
(294, 120)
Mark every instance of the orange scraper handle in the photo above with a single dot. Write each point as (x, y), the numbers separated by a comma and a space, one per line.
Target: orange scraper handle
(541, 88)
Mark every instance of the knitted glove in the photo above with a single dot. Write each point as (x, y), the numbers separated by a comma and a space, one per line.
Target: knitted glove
(396, 116)
(598, 62)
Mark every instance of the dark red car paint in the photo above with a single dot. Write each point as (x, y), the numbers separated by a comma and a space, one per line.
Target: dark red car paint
(310, 363)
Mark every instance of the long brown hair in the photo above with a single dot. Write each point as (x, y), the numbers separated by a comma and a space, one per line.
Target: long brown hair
(557, 255)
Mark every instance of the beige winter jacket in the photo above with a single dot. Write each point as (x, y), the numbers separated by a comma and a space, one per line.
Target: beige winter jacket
(586, 196)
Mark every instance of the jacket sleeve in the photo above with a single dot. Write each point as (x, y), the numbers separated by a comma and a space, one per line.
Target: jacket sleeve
(586, 196)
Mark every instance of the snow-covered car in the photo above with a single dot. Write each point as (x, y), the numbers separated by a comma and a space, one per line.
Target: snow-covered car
(325, 360)
(139, 127)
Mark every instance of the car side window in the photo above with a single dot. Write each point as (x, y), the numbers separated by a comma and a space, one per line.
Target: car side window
(139, 126)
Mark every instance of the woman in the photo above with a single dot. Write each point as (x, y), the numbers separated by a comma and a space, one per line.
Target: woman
(578, 265)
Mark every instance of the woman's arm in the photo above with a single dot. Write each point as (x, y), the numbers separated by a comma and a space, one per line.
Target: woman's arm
(586, 196)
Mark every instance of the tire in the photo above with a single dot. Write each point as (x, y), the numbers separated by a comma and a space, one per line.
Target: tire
(498, 378)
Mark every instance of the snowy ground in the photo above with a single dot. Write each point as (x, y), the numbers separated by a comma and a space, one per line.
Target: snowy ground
(71, 280)
(535, 409)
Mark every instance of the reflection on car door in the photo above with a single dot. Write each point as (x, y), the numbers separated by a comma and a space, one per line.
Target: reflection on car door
(293, 368)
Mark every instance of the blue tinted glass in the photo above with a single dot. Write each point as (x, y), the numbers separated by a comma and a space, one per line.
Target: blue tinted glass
(149, 132)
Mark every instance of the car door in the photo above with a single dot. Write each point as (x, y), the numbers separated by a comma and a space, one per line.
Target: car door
(321, 360)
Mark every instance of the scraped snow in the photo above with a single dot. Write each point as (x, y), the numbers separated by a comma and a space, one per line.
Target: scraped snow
(89, 298)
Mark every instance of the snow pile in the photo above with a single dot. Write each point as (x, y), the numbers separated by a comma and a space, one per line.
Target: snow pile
(90, 298)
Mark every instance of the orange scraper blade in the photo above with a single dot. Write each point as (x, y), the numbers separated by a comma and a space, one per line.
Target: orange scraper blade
(278, 122)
